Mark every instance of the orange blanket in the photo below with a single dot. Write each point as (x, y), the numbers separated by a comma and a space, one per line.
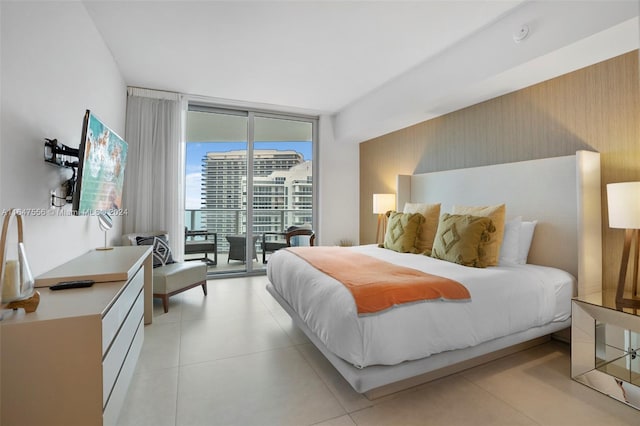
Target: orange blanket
(377, 285)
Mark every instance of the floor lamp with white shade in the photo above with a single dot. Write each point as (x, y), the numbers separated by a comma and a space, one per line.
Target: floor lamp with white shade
(623, 200)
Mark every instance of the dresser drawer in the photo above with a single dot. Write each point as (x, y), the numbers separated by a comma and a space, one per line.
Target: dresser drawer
(119, 350)
(119, 391)
(112, 321)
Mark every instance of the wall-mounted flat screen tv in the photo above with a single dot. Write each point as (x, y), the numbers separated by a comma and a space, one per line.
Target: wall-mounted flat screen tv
(101, 162)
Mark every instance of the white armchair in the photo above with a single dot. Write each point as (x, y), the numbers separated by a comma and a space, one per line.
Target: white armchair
(171, 278)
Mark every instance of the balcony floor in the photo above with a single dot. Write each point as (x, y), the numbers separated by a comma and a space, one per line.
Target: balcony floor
(232, 266)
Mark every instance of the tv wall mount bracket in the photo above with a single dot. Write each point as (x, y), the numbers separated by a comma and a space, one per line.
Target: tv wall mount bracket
(62, 156)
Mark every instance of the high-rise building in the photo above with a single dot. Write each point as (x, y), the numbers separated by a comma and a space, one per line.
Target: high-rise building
(282, 191)
(283, 198)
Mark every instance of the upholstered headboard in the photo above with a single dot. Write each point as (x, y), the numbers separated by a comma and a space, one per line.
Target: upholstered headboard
(561, 193)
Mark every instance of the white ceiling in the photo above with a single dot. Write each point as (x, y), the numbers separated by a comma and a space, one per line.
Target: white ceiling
(335, 57)
(314, 55)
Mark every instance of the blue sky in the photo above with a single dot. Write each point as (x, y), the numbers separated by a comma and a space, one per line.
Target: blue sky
(195, 151)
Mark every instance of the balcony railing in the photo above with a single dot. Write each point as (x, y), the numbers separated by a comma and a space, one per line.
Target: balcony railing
(234, 222)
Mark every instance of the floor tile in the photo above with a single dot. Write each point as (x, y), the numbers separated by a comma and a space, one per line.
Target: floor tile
(151, 399)
(161, 348)
(269, 388)
(537, 382)
(226, 298)
(217, 338)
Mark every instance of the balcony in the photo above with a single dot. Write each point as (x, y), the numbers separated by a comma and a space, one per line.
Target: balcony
(234, 222)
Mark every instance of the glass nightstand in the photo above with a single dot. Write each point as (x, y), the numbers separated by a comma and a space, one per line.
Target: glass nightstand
(605, 347)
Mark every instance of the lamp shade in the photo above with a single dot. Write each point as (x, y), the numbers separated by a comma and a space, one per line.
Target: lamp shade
(382, 203)
(624, 205)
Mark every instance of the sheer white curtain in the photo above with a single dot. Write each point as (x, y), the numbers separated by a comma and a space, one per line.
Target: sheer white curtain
(153, 178)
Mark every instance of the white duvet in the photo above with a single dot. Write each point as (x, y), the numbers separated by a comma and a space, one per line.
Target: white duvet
(504, 300)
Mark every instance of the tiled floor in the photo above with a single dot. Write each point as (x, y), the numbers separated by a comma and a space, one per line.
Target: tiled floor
(234, 358)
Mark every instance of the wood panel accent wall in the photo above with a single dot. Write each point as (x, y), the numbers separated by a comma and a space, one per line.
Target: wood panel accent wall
(595, 108)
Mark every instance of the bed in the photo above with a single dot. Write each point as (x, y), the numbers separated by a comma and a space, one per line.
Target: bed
(513, 306)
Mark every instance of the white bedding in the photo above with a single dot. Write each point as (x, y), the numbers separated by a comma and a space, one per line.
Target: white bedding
(504, 300)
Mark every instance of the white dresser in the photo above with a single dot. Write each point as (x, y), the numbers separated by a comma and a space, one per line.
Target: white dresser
(71, 361)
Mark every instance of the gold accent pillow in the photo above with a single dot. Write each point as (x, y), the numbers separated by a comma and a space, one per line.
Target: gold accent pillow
(461, 239)
(402, 231)
(431, 213)
(497, 215)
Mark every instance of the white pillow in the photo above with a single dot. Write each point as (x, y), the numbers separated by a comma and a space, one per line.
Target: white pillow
(509, 252)
(526, 236)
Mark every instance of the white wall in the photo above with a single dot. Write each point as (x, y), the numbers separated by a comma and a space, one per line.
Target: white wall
(339, 197)
(54, 66)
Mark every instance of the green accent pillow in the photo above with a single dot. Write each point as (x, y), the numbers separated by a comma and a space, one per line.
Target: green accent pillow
(431, 213)
(402, 230)
(497, 215)
(461, 238)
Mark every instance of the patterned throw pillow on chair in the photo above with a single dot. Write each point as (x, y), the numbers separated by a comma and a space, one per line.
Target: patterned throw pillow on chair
(161, 250)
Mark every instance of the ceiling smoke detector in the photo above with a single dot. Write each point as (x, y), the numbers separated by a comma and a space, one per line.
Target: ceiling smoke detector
(521, 34)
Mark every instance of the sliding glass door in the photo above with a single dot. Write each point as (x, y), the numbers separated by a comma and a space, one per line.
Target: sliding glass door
(248, 176)
(282, 179)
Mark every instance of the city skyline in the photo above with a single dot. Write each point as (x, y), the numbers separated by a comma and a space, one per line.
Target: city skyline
(195, 152)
